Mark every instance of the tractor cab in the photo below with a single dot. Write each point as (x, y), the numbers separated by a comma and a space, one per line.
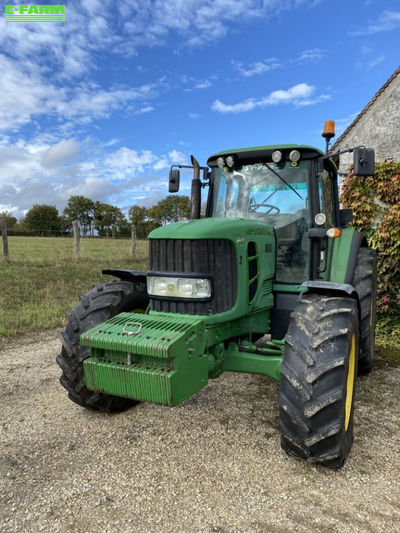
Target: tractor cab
(291, 188)
(275, 185)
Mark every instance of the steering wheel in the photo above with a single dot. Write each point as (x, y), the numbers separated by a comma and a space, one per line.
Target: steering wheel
(271, 208)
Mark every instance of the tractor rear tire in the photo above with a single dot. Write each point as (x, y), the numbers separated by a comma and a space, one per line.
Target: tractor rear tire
(364, 281)
(98, 305)
(319, 368)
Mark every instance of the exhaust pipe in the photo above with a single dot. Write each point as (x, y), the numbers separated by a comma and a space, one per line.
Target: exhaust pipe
(196, 190)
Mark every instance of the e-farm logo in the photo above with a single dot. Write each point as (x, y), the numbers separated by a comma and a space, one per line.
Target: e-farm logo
(34, 13)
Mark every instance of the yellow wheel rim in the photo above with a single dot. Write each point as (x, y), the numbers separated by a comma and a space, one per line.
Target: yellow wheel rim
(141, 311)
(350, 382)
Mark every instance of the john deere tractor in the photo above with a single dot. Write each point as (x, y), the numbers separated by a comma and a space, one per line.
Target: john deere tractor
(271, 280)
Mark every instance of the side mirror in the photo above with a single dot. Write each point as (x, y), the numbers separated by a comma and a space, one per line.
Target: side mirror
(364, 161)
(174, 179)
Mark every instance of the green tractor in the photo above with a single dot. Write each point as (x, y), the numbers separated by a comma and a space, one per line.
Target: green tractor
(271, 280)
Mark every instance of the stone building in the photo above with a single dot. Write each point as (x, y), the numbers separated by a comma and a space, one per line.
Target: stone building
(377, 126)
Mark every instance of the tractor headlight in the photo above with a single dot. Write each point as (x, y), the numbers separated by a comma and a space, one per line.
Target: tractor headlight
(178, 287)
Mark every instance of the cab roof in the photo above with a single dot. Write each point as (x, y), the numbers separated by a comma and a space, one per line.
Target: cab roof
(264, 153)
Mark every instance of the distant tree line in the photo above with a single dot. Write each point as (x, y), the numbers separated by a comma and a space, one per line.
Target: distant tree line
(97, 218)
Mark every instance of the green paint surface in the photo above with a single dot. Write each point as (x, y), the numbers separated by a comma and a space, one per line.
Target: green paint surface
(287, 287)
(170, 358)
(233, 229)
(252, 363)
(162, 362)
(340, 254)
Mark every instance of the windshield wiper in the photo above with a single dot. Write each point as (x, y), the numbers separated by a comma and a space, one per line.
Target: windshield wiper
(280, 177)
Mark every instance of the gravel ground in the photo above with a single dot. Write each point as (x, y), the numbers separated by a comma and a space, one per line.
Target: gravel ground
(213, 464)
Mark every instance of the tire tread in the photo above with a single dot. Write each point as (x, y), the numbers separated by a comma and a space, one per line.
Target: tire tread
(313, 385)
(101, 303)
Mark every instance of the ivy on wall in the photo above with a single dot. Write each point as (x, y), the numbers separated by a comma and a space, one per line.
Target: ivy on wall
(376, 211)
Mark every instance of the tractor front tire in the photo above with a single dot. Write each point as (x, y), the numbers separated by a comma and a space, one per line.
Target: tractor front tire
(364, 281)
(98, 305)
(319, 369)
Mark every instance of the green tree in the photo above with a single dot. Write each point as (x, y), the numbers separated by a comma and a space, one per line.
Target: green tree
(42, 220)
(9, 218)
(65, 225)
(107, 219)
(139, 218)
(81, 209)
(123, 228)
(19, 228)
(171, 209)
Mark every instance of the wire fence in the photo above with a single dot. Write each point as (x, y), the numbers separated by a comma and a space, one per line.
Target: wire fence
(48, 228)
(75, 233)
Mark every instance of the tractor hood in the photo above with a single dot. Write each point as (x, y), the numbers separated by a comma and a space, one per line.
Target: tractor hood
(234, 230)
(237, 255)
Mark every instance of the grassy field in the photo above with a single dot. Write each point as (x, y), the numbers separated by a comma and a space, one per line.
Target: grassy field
(43, 280)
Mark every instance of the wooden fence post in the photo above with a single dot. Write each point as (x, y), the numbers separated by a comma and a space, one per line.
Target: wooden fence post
(133, 238)
(77, 239)
(5, 239)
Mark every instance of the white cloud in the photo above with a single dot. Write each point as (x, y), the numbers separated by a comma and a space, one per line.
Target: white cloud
(59, 153)
(256, 68)
(151, 198)
(313, 55)
(23, 93)
(24, 180)
(387, 21)
(133, 25)
(111, 142)
(176, 157)
(26, 95)
(145, 109)
(194, 116)
(343, 123)
(126, 162)
(198, 23)
(45, 173)
(39, 60)
(203, 84)
(298, 95)
(313, 101)
(64, 46)
(91, 102)
(91, 187)
(161, 164)
(369, 65)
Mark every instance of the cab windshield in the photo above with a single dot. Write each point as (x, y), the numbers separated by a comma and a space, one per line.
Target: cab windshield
(276, 194)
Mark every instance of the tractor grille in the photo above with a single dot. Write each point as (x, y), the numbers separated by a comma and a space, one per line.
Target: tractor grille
(215, 258)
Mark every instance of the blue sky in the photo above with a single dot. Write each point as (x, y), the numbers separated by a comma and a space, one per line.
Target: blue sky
(103, 104)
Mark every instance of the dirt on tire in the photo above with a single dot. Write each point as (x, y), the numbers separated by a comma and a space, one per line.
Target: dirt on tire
(213, 464)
